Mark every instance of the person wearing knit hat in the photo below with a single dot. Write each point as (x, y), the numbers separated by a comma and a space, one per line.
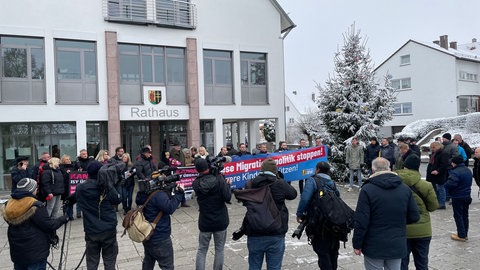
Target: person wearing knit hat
(212, 192)
(29, 222)
(99, 219)
(269, 243)
(27, 184)
(448, 145)
(412, 162)
(419, 234)
(459, 187)
(269, 165)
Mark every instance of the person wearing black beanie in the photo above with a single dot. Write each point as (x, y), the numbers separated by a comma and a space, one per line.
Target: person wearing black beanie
(99, 219)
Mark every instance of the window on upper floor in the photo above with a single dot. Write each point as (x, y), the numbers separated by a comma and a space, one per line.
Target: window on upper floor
(468, 76)
(22, 70)
(402, 108)
(151, 65)
(291, 121)
(76, 72)
(218, 76)
(287, 108)
(405, 60)
(468, 104)
(254, 78)
(402, 84)
(170, 13)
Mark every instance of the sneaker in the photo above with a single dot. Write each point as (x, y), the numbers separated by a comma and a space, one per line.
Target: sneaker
(79, 215)
(185, 205)
(349, 189)
(442, 207)
(455, 237)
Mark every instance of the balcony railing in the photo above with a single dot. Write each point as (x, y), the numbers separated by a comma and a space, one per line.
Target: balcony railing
(166, 13)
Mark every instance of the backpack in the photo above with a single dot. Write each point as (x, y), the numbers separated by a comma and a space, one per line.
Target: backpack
(110, 174)
(328, 213)
(262, 212)
(139, 229)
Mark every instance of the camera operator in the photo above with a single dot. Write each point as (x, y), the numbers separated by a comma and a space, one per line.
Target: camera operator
(325, 245)
(100, 219)
(20, 171)
(159, 247)
(29, 227)
(212, 191)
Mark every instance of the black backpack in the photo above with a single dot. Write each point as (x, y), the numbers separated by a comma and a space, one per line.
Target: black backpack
(262, 212)
(328, 214)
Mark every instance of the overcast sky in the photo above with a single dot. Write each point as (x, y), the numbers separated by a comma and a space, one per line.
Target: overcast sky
(387, 25)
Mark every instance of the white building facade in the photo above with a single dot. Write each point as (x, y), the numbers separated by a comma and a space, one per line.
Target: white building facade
(101, 74)
(433, 80)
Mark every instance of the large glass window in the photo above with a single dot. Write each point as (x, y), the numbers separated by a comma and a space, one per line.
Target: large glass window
(468, 76)
(254, 78)
(22, 68)
(151, 65)
(76, 71)
(31, 140)
(218, 76)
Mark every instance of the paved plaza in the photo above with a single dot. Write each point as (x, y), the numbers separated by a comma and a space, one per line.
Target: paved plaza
(444, 253)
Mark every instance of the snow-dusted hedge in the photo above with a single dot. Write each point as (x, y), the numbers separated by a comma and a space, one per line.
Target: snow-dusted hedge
(467, 125)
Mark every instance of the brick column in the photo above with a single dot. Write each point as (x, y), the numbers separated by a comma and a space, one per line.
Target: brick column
(193, 129)
(113, 91)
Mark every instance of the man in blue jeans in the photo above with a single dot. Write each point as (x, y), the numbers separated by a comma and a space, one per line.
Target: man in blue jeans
(212, 191)
(269, 244)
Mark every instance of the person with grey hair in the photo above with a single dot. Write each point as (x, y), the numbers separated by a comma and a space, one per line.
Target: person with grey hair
(385, 206)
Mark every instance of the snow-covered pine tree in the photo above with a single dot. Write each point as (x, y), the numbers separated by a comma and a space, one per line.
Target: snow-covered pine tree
(351, 103)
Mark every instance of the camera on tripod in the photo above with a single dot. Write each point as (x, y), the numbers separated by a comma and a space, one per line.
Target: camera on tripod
(163, 179)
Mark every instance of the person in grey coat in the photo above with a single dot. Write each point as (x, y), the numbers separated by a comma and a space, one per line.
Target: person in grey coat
(354, 158)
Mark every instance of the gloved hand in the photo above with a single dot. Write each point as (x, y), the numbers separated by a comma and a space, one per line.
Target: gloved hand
(49, 197)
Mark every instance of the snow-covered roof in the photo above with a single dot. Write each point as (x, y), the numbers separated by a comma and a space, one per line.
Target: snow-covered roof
(469, 51)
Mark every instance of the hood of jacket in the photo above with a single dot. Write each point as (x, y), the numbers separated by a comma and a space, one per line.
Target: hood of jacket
(385, 179)
(19, 209)
(409, 177)
(206, 184)
(263, 178)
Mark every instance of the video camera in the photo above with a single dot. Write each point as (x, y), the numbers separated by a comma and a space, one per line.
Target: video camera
(216, 164)
(300, 228)
(163, 179)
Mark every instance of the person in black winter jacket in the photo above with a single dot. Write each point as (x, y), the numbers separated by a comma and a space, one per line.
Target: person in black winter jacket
(459, 187)
(144, 165)
(269, 244)
(476, 166)
(385, 206)
(99, 219)
(29, 227)
(20, 171)
(53, 185)
(437, 171)
(212, 193)
(371, 153)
